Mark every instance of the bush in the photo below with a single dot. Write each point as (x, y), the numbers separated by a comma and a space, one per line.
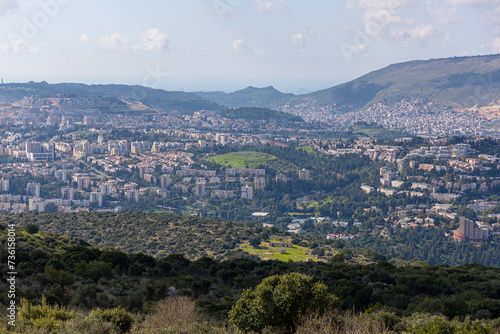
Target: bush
(335, 323)
(31, 228)
(179, 311)
(117, 316)
(61, 277)
(88, 325)
(280, 301)
(43, 316)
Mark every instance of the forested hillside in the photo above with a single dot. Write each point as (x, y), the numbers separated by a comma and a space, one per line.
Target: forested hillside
(159, 235)
(56, 270)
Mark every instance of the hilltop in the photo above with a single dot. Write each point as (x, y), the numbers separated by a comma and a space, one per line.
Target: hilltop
(466, 81)
(249, 97)
(154, 98)
(460, 81)
(463, 81)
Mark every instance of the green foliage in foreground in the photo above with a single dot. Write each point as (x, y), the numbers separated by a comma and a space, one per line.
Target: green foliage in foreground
(74, 288)
(179, 316)
(280, 301)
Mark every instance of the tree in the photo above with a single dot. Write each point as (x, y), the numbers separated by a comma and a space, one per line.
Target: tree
(31, 228)
(280, 301)
(51, 207)
(255, 241)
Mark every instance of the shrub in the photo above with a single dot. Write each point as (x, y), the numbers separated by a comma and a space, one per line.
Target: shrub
(342, 324)
(179, 311)
(88, 325)
(31, 228)
(280, 301)
(43, 316)
(117, 316)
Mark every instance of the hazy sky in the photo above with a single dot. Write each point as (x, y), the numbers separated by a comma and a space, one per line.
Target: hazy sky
(230, 44)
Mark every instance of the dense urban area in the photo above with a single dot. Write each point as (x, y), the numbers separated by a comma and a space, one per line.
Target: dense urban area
(78, 154)
(374, 189)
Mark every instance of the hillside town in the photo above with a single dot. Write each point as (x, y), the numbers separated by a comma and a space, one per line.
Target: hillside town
(73, 155)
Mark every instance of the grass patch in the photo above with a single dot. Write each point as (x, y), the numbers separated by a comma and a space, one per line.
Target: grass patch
(265, 252)
(252, 160)
(308, 149)
(300, 214)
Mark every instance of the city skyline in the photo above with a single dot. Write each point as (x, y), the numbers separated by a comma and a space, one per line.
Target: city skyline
(231, 44)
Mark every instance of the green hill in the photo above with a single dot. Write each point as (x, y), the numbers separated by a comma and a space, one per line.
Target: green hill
(464, 81)
(467, 81)
(252, 160)
(266, 97)
(153, 98)
(161, 234)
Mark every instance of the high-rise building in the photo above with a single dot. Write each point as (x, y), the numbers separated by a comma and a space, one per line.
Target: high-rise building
(282, 178)
(165, 181)
(155, 148)
(96, 197)
(36, 204)
(106, 188)
(132, 195)
(33, 189)
(304, 175)
(88, 120)
(471, 231)
(82, 182)
(68, 193)
(259, 182)
(199, 189)
(60, 175)
(81, 149)
(4, 184)
(36, 152)
(247, 192)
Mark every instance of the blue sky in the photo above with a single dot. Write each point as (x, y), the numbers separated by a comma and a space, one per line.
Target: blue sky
(294, 45)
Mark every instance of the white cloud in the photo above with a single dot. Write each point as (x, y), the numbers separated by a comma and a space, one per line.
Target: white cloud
(259, 52)
(114, 42)
(8, 6)
(148, 41)
(271, 5)
(153, 40)
(392, 20)
(419, 32)
(301, 38)
(238, 44)
(447, 11)
(446, 38)
(375, 4)
(18, 46)
(468, 2)
(441, 12)
(495, 45)
(84, 38)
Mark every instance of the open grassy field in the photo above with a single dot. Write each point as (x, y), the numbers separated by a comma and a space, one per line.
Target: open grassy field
(308, 149)
(252, 160)
(265, 252)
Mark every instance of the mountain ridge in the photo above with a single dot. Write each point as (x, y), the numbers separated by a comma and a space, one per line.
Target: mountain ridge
(464, 81)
